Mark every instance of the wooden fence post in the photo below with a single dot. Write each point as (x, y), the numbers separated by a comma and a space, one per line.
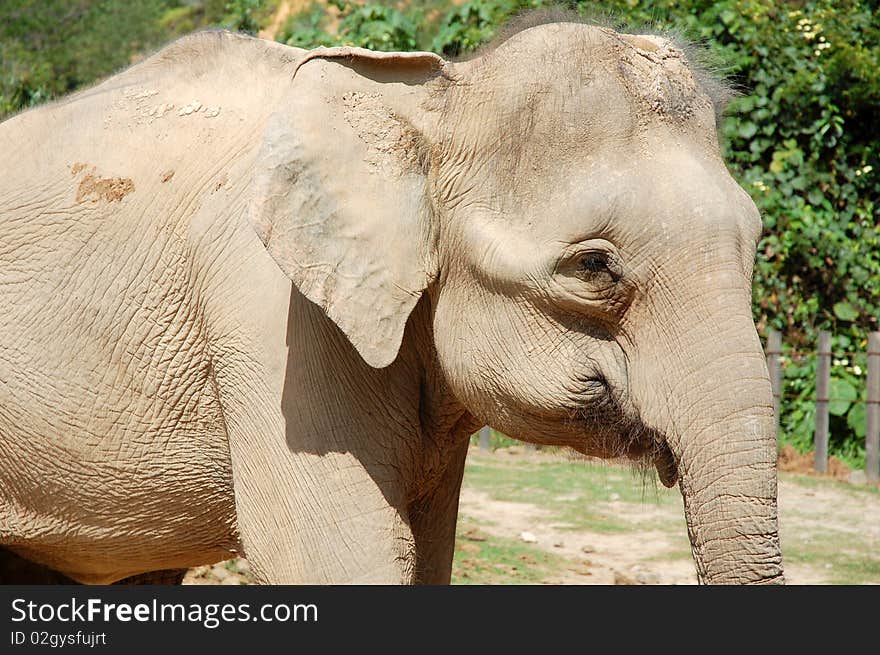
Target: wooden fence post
(774, 351)
(872, 414)
(485, 437)
(823, 381)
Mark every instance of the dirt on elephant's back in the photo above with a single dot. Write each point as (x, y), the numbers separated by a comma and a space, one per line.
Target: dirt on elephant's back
(792, 461)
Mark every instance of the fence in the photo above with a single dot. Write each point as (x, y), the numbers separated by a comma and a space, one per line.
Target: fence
(773, 352)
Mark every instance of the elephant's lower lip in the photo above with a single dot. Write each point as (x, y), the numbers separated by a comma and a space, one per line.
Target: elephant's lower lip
(667, 469)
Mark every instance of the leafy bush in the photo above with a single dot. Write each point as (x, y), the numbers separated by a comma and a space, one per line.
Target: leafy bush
(240, 16)
(473, 23)
(52, 47)
(373, 25)
(803, 140)
(307, 30)
(805, 144)
(846, 409)
(377, 27)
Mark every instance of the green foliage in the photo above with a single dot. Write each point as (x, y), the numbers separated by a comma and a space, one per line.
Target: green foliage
(53, 47)
(241, 16)
(802, 137)
(383, 27)
(373, 25)
(49, 48)
(846, 406)
(803, 140)
(473, 23)
(376, 26)
(813, 72)
(307, 30)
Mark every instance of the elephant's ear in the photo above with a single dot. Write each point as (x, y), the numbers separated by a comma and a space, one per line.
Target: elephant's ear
(340, 190)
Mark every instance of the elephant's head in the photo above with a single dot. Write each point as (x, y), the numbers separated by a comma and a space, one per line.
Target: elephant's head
(588, 257)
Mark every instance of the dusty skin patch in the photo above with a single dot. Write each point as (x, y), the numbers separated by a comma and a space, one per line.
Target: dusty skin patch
(392, 145)
(656, 74)
(95, 188)
(166, 176)
(643, 42)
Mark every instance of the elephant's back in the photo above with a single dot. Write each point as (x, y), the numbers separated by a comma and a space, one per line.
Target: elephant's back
(118, 196)
(111, 430)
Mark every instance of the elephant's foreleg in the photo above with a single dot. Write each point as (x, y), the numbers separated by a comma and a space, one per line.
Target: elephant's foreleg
(310, 515)
(433, 519)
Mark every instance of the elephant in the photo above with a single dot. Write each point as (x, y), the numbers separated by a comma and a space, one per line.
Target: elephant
(255, 299)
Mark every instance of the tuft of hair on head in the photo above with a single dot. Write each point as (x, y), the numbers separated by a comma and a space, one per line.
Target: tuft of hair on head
(706, 68)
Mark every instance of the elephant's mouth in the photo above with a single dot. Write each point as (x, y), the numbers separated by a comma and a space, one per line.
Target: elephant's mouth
(612, 432)
(650, 448)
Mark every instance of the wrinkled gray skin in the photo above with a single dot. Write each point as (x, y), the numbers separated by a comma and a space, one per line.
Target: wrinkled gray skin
(544, 239)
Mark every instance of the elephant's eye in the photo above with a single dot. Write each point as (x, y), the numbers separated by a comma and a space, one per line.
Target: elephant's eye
(594, 262)
(599, 268)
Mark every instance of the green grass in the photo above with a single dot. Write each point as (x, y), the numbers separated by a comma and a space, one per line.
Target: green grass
(496, 440)
(483, 559)
(577, 493)
(816, 482)
(846, 559)
(607, 499)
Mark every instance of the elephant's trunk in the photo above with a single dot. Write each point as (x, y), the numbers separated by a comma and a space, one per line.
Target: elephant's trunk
(727, 476)
(718, 421)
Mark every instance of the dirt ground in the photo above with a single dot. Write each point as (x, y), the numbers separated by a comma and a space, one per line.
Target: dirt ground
(791, 461)
(830, 531)
(658, 555)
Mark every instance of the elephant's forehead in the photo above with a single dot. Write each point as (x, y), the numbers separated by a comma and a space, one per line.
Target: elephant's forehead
(556, 93)
(566, 56)
(675, 195)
